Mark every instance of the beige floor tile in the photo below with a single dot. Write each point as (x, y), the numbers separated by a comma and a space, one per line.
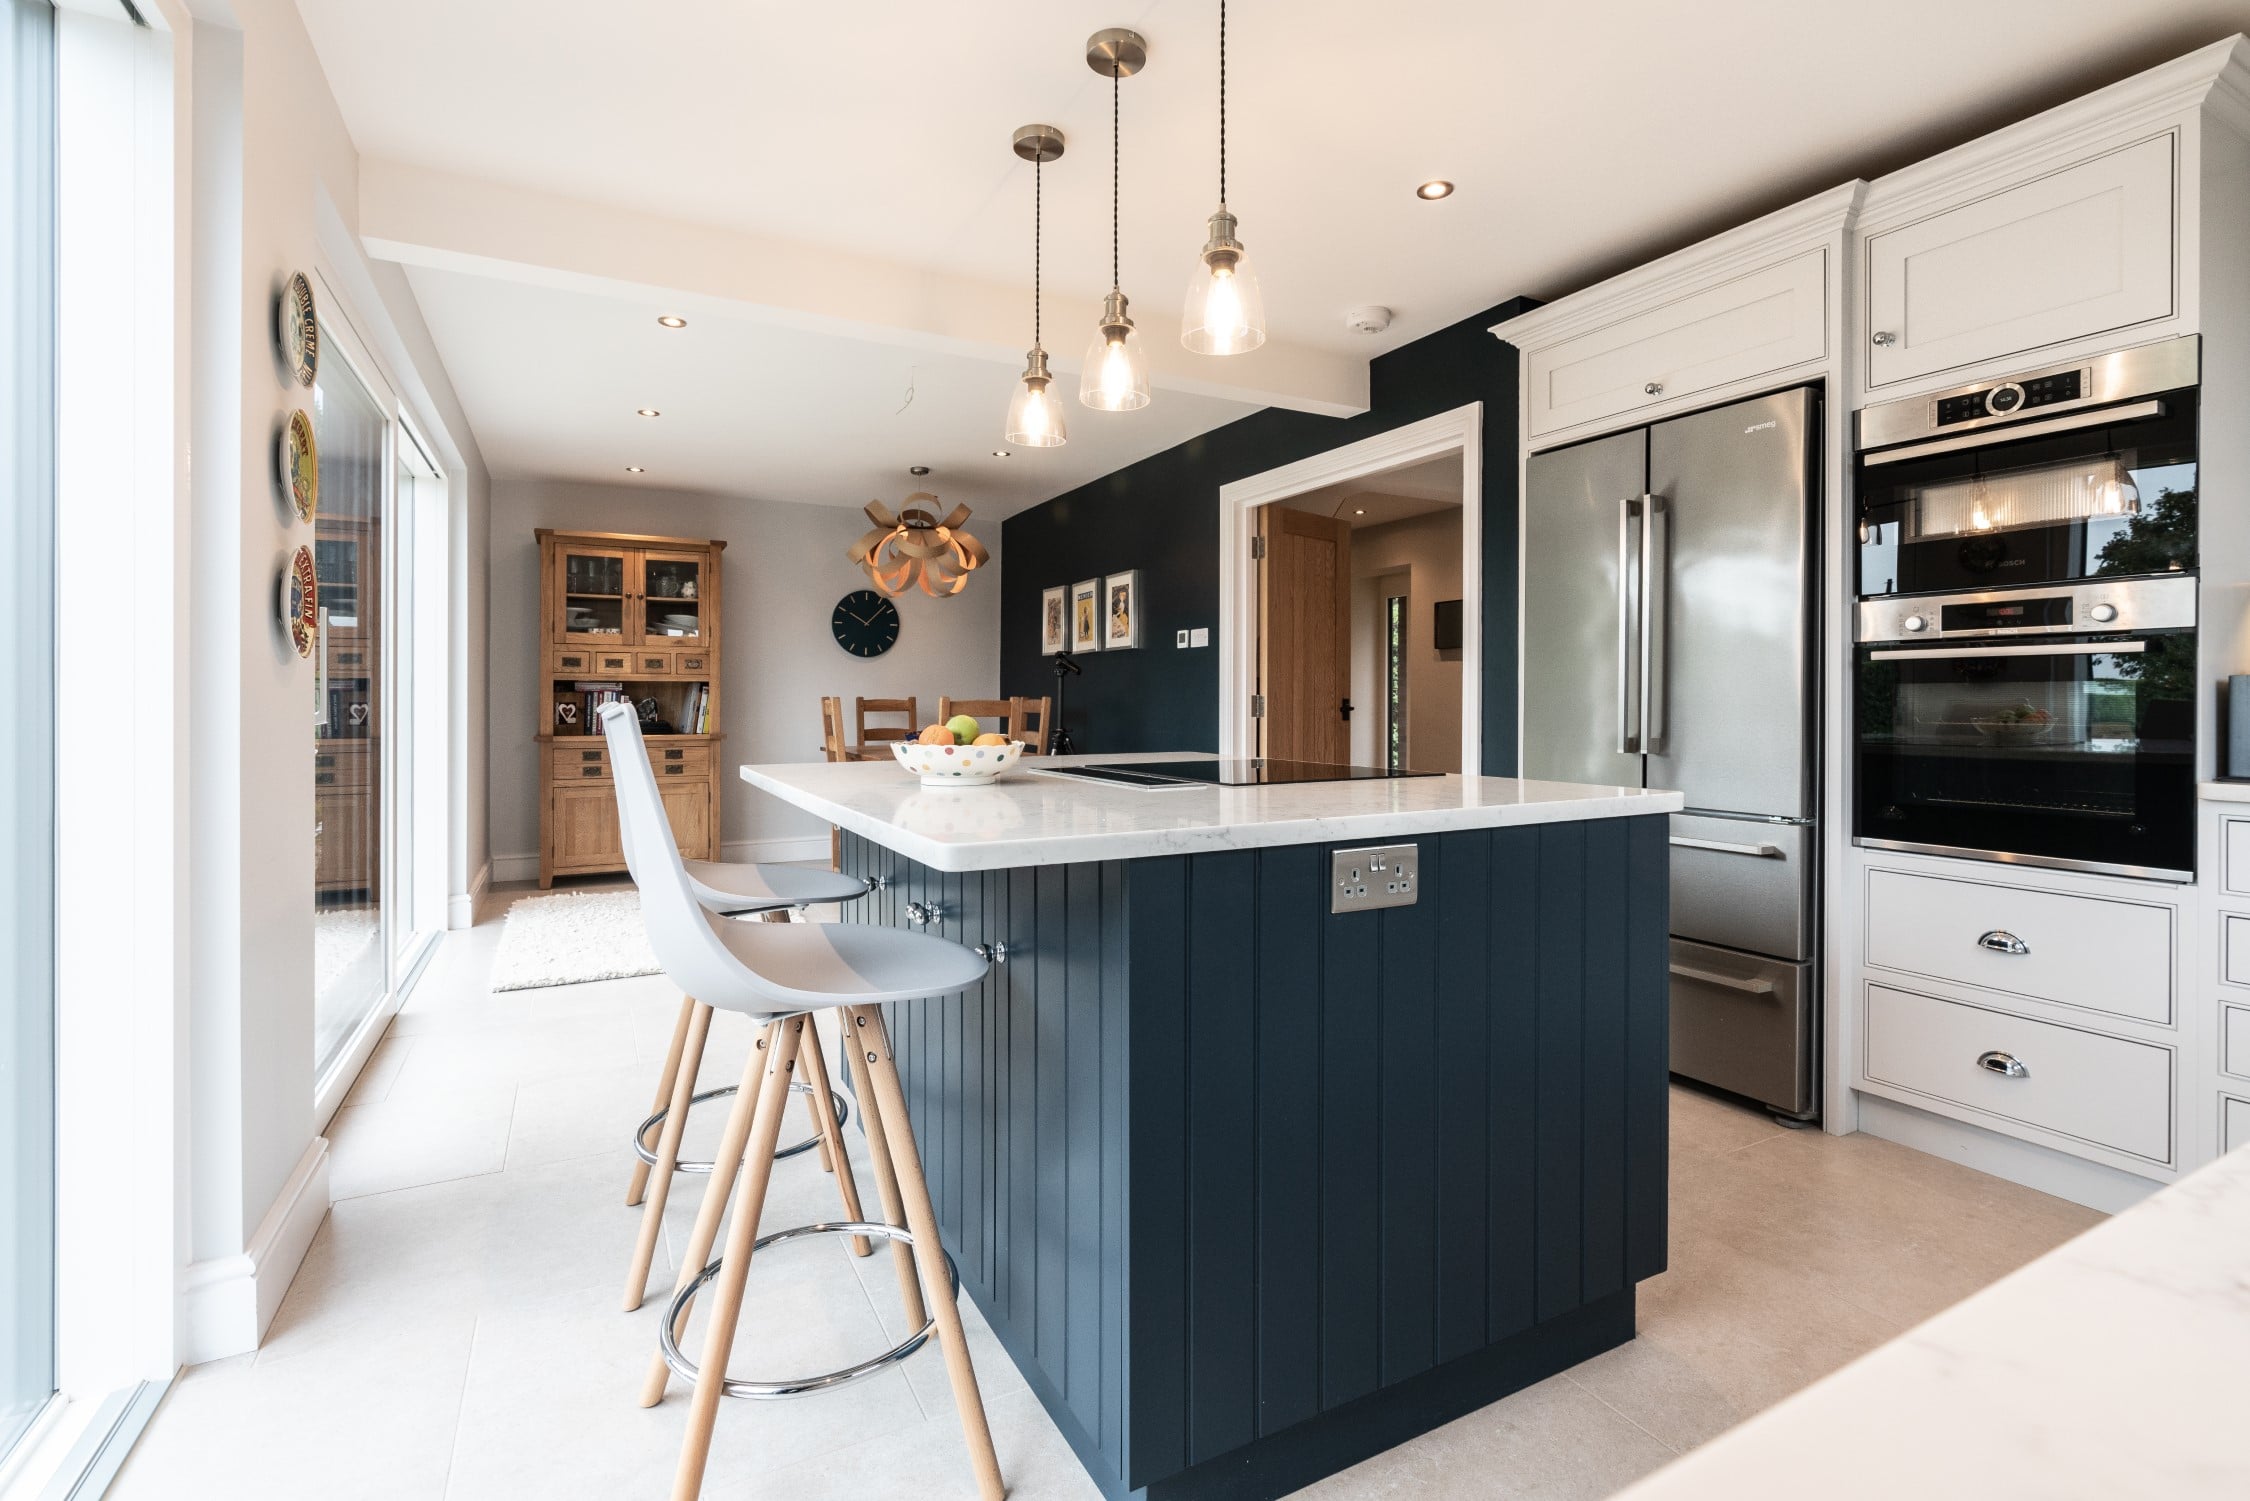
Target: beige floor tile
(932, 1459)
(380, 1072)
(409, 1142)
(1553, 1440)
(1708, 1125)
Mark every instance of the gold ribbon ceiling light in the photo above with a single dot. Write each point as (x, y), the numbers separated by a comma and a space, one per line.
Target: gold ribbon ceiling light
(915, 547)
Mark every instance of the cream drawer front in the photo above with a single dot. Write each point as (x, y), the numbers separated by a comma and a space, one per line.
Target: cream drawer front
(2234, 949)
(2104, 1090)
(2234, 856)
(1767, 320)
(2076, 252)
(2234, 1122)
(2079, 950)
(2234, 1041)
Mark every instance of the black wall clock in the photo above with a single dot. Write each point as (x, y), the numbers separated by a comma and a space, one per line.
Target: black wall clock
(865, 623)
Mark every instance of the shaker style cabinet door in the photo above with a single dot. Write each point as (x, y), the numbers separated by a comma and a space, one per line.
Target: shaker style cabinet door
(1767, 320)
(2079, 251)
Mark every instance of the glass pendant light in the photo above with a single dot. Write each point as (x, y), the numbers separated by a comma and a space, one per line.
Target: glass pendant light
(1115, 375)
(1035, 416)
(1225, 314)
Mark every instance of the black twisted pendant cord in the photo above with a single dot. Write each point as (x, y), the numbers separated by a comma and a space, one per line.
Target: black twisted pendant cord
(1038, 209)
(1222, 103)
(1116, 166)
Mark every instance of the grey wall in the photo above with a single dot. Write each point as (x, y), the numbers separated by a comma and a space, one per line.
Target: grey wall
(784, 570)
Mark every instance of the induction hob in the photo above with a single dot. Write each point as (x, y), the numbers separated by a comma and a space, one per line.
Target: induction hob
(1262, 773)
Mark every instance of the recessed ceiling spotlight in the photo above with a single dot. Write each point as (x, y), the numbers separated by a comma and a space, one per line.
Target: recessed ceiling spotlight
(647, 412)
(1002, 453)
(671, 320)
(1435, 188)
(1360, 512)
(635, 469)
(917, 470)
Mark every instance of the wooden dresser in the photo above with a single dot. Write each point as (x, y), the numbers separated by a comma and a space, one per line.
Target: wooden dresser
(638, 619)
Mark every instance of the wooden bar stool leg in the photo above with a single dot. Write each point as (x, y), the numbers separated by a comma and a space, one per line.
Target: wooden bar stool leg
(873, 1045)
(725, 1163)
(886, 1177)
(813, 1064)
(667, 1153)
(742, 1235)
(663, 1091)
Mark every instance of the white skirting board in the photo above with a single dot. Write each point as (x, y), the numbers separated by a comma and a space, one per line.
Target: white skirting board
(227, 1302)
(461, 907)
(813, 847)
(2093, 1184)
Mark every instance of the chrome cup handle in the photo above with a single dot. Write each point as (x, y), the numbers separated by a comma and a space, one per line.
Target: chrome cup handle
(2001, 941)
(2006, 1065)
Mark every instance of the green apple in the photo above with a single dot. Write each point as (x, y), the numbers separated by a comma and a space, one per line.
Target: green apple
(963, 727)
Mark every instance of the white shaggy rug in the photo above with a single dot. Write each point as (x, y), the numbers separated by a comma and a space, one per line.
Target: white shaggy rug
(571, 938)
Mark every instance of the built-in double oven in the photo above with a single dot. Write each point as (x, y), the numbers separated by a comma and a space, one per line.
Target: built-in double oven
(2025, 665)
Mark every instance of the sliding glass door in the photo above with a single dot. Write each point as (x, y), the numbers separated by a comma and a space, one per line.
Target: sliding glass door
(27, 686)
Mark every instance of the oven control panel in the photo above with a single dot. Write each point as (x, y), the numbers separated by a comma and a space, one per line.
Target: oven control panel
(2011, 397)
(2095, 608)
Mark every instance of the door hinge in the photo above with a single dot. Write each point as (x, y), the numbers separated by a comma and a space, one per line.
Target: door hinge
(1257, 706)
(1257, 548)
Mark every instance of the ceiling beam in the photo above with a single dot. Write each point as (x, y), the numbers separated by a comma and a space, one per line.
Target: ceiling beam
(418, 216)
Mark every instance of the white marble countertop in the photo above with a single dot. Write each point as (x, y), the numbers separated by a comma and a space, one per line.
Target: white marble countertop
(2114, 1366)
(1030, 819)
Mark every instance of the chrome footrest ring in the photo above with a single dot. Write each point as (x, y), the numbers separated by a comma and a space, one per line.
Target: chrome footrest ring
(647, 1153)
(675, 1318)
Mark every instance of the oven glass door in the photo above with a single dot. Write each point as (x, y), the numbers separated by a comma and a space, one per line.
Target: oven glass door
(2060, 750)
(2108, 500)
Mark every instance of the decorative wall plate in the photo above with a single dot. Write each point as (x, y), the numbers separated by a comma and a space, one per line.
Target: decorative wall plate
(300, 464)
(299, 329)
(300, 602)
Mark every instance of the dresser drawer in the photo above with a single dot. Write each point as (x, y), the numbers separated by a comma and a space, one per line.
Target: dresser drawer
(340, 766)
(609, 663)
(652, 664)
(691, 662)
(689, 761)
(2108, 1091)
(2104, 955)
(2234, 949)
(1768, 320)
(2234, 1041)
(581, 763)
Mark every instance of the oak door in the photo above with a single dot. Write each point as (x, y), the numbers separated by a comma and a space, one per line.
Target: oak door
(1304, 636)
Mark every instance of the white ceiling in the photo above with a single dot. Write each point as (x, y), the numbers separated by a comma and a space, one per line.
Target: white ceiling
(1584, 138)
(551, 380)
(1393, 495)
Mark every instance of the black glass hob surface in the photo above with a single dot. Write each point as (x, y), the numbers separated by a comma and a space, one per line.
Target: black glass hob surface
(1157, 774)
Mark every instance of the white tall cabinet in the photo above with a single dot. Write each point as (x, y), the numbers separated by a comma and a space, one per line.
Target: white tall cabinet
(2120, 219)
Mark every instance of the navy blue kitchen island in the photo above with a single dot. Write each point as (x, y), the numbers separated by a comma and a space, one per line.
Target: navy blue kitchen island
(1251, 1189)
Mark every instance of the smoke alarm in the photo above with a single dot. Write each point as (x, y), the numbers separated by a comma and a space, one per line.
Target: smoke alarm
(1370, 319)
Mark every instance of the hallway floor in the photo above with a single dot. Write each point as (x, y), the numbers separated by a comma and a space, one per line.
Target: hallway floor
(455, 1330)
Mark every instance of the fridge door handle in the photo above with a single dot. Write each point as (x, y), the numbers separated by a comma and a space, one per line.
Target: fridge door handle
(1628, 730)
(1655, 536)
(1758, 986)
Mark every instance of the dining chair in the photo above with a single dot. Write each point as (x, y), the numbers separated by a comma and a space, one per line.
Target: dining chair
(1007, 711)
(1034, 724)
(872, 734)
(781, 975)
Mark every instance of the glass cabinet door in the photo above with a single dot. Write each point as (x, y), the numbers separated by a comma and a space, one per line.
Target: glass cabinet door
(595, 591)
(670, 603)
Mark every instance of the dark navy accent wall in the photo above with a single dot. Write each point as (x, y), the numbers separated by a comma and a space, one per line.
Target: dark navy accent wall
(1161, 516)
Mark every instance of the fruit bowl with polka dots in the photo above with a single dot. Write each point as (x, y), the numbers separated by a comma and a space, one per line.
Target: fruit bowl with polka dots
(958, 765)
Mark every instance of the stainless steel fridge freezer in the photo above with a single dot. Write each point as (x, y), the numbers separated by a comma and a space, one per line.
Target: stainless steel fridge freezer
(1670, 590)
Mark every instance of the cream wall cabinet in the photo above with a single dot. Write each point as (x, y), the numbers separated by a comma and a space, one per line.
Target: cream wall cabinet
(2084, 250)
(1765, 320)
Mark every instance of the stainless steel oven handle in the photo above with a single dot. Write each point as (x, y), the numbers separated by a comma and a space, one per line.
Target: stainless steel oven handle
(1655, 532)
(1758, 986)
(1628, 740)
(1721, 846)
(2099, 417)
(2028, 649)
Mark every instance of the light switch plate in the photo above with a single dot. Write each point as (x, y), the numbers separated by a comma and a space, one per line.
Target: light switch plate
(1200, 636)
(1384, 875)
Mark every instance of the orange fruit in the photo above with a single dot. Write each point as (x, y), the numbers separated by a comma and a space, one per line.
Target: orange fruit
(990, 740)
(936, 734)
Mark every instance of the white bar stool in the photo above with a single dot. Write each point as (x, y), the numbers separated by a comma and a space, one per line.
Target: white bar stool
(732, 889)
(779, 974)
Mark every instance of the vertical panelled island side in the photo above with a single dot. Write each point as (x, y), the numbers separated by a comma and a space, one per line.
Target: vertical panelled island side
(1249, 1187)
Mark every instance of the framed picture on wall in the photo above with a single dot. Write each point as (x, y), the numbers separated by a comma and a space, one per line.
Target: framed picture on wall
(1054, 611)
(1086, 616)
(1121, 610)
